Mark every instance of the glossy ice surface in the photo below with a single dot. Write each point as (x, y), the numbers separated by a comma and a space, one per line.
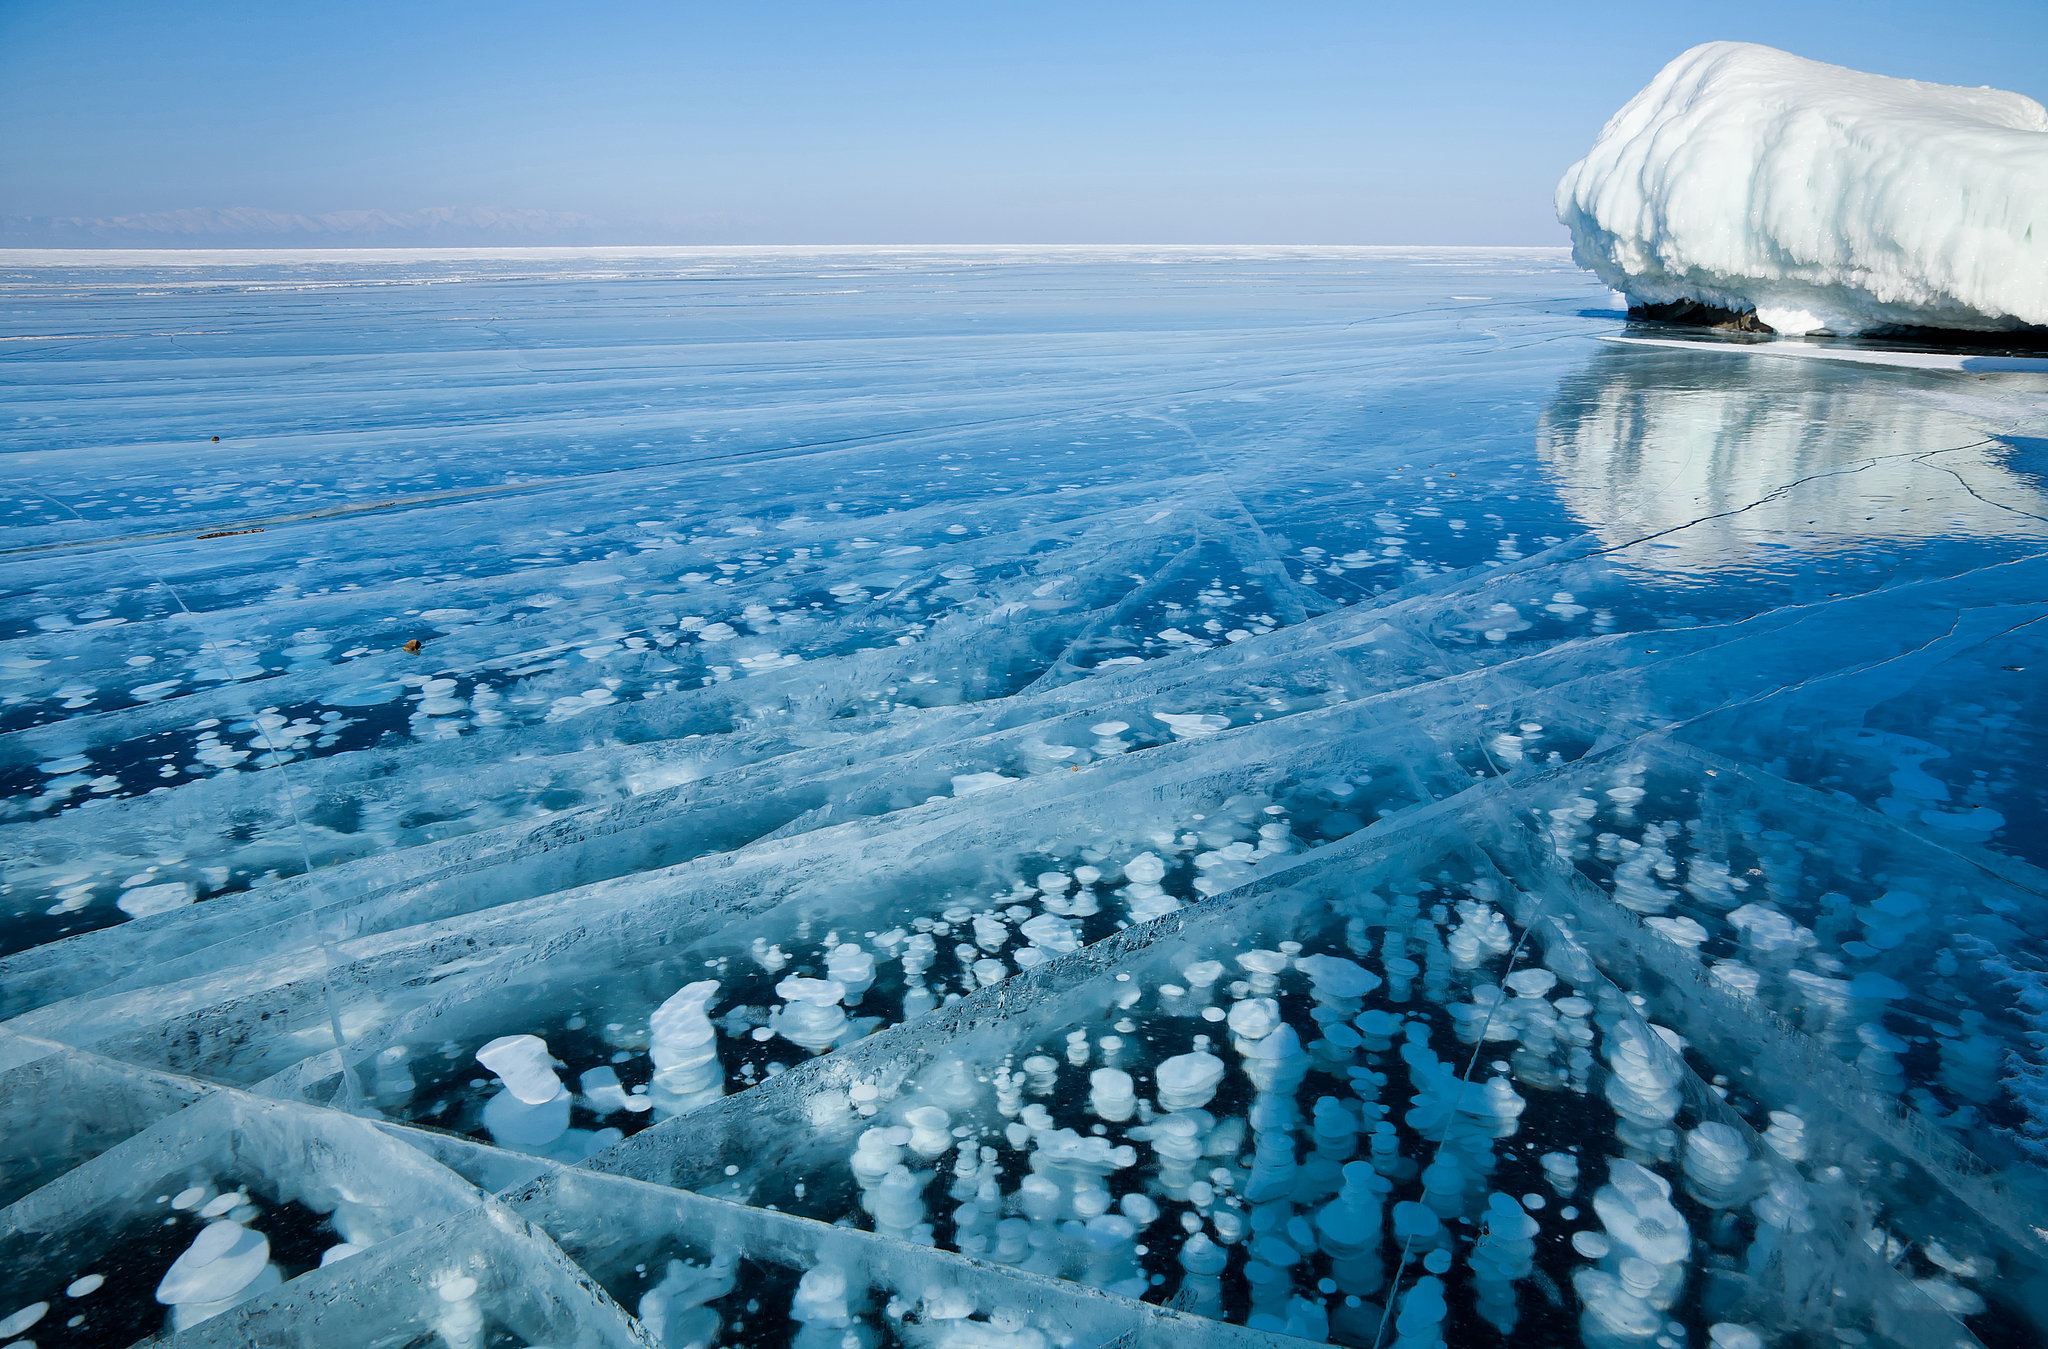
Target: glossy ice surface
(1009, 797)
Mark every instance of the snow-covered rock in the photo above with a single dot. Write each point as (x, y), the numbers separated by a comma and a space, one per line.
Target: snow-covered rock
(1824, 198)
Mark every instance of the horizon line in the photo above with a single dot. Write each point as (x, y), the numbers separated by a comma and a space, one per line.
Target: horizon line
(60, 253)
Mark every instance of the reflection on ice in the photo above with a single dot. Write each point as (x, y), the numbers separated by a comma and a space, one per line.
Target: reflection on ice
(1721, 453)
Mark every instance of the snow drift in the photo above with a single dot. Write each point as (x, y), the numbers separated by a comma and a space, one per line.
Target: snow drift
(1746, 178)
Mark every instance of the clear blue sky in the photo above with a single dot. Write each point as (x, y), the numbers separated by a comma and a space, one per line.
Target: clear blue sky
(796, 122)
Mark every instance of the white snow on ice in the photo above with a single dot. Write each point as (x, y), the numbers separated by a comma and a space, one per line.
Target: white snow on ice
(1824, 198)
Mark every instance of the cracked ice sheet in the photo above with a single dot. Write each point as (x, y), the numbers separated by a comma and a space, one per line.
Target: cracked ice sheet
(776, 609)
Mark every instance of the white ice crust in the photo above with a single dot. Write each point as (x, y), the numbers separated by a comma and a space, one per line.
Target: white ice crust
(1824, 198)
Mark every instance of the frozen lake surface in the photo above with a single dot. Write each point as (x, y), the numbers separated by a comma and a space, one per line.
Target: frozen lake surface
(1009, 798)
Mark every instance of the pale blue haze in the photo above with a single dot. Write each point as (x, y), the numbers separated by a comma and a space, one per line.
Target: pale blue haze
(804, 122)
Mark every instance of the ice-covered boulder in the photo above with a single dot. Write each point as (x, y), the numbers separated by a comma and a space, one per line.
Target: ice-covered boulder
(1747, 178)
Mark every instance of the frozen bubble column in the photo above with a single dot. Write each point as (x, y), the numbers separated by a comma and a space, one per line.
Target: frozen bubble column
(438, 879)
(754, 881)
(226, 1264)
(684, 1047)
(532, 1107)
(394, 992)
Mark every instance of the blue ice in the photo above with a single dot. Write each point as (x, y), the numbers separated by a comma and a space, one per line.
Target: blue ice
(1010, 797)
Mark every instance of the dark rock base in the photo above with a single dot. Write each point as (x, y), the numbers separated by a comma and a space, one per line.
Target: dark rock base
(2025, 341)
(2007, 342)
(1693, 314)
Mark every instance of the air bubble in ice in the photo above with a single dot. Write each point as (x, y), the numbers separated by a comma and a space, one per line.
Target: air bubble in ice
(1050, 933)
(852, 968)
(1786, 1135)
(533, 1108)
(1611, 1317)
(1188, 725)
(1420, 1324)
(225, 1263)
(1635, 1206)
(1730, 1335)
(810, 1015)
(1679, 931)
(1337, 983)
(17, 1322)
(1263, 969)
(1145, 869)
(1504, 1255)
(930, 1130)
(674, 1310)
(1766, 930)
(1253, 1019)
(391, 1078)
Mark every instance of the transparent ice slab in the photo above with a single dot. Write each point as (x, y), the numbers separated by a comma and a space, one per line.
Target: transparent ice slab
(584, 954)
(63, 1108)
(778, 1278)
(259, 1191)
(480, 1279)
